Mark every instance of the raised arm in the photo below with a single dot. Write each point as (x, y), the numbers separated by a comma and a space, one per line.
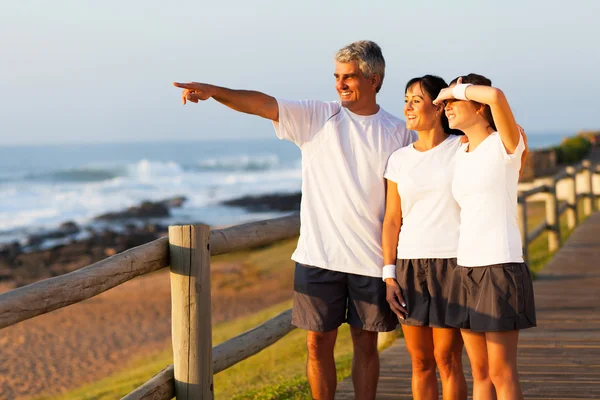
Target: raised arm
(525, 151)
(501, 112)
(246, 101)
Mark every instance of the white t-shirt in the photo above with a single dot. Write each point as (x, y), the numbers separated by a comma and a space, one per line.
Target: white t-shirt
(430, 215)
(485, 187)
(343, 196)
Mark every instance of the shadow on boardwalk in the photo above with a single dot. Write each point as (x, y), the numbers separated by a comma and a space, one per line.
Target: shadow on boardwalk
(560, 359)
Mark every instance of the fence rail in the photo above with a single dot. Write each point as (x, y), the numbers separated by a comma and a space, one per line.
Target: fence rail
(547, 192)
(50, 294)
(187, 251)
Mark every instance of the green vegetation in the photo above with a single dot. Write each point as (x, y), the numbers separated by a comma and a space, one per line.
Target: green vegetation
(278, 372)
(539, 253)
(572, 150)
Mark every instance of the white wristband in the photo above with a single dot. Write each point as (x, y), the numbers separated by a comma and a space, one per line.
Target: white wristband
(459, 91)
(389, 271)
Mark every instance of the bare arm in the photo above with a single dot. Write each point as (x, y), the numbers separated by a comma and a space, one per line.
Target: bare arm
(501, 112)
(246, 101)
(525, 151)
(392, 221)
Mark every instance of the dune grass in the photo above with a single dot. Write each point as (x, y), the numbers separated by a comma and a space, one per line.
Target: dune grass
(539, 253)
(278, 372)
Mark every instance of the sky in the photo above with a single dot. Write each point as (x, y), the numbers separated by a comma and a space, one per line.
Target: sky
(90, 71)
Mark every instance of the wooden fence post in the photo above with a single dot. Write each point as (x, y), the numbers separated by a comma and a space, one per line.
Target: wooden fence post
(522, 222)
(189, 254)
(572, 197)
(588, 201)
(552, 216)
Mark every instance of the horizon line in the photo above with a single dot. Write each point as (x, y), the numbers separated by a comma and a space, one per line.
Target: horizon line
(201, 140)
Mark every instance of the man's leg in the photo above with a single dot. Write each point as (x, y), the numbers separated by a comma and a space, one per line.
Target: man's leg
(320, 299)
(320, 367)
(365, 364)
(368, 313)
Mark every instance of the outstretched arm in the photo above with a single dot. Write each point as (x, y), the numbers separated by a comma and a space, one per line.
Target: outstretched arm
(501, 112)
(246, 101)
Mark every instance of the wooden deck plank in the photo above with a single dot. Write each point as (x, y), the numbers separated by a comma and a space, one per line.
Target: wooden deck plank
(558, 360)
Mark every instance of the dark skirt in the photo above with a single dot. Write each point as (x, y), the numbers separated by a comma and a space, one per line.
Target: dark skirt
(491, 298)
(425, 285)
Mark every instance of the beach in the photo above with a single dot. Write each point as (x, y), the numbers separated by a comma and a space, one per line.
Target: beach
(87, 341)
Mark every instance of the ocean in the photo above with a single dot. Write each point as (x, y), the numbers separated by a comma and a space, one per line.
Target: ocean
(42, 187)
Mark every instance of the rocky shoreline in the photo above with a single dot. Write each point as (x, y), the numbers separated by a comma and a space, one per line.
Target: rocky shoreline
(266, 203)
(70, 247)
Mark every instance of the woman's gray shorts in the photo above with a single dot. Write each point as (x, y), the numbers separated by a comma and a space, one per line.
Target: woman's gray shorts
(424, 284)
(324, 299)
(492, 298)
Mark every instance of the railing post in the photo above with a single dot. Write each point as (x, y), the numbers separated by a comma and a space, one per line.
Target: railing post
(588, 201)
(189, 254)
(522, 222)
(552, 216)
(572, 198)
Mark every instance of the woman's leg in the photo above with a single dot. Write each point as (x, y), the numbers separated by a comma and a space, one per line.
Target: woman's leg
(475, 344)
(419, 342)
(447, 350)
(502, 358)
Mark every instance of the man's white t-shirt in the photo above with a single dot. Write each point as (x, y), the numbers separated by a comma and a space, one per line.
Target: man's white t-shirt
(430, 215)
(343, 194)
(485, 187)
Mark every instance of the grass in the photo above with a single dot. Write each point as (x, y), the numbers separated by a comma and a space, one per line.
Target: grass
(277, 372)
(539, 253)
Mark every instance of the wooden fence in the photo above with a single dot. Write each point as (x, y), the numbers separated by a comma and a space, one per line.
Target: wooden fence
(547, 191)
(187, 251)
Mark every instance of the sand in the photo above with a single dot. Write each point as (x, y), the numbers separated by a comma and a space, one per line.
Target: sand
(85, 342)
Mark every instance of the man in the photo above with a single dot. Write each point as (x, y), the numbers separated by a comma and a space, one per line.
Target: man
(345, 146)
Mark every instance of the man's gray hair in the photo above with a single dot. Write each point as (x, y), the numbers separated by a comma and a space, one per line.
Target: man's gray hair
(367, 55)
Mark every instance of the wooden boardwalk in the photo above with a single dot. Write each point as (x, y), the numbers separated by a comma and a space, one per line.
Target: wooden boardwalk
(560, 359)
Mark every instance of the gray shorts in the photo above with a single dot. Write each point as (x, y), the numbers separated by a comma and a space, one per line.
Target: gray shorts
(425, 285)
(491, 298)
(324, 299)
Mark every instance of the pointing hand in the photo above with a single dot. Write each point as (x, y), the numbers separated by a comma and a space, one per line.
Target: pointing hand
(194, 91)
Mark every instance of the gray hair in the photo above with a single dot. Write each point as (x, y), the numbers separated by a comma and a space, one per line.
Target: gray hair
(367, 55)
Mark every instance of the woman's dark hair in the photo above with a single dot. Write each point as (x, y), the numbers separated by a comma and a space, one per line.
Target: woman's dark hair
(432, 85)
(476, 79)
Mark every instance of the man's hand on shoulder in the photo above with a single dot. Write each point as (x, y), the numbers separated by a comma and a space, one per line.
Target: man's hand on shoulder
(194, 91)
